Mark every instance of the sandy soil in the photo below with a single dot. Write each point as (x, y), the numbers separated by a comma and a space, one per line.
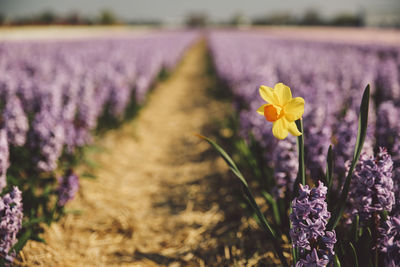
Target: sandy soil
(159, 195)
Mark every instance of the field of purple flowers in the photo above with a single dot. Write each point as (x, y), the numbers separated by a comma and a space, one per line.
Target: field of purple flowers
(330, 76)
(330, 197)
(54, 96)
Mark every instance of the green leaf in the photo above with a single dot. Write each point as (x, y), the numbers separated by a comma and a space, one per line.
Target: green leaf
(336, 261)
(274, 206)
(88, 175)
(362, 131)
(22, 240)
(37, 238)
(74, 211)
(354, 228)
(354, 254)
(227, 159)
(261, 219)
(294, 255)
(300, 148)
(33, 222)
(384, 215)
(329, 167)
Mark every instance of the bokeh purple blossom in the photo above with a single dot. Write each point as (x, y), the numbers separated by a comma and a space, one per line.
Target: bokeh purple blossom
(68, 187)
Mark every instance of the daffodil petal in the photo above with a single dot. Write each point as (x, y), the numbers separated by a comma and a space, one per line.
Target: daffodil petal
(280, 129)
(268, 94)
(294, 109)
(292, 127)
(283, 92)
(260, 110)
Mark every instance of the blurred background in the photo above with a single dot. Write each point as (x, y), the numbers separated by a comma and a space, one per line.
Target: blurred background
(179, 13)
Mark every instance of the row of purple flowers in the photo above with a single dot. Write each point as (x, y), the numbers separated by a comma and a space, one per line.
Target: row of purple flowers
(52, 96)
(330, 77)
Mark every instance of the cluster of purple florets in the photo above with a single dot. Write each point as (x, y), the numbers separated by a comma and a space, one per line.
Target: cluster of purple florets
(15, 121)
(309, 218)
(388, 135)
(4, 158)
(390, 241)
(10, 222)
(48, 138)
(68, 186)
(372, 185)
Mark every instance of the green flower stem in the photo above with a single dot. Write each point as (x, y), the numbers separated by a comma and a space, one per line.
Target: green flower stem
(301, 174)
(300, 146)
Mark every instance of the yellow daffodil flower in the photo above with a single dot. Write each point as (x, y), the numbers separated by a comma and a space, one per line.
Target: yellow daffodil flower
(281, 109)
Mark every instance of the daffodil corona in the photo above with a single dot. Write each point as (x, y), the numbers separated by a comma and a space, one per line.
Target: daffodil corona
(281, 109)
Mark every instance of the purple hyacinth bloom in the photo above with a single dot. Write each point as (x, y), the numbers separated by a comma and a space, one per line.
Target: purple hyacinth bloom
(286, 166)
(388, 125)
(388, 135)
(15, 121)
(396, 174)
(389, 241)
(68, 186)
(10, 222)
(48, 137)
(4, 158)
(309, 218)
(313, 260)
(372, 185)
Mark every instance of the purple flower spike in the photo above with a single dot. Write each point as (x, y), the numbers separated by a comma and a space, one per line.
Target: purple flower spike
(309, 218)
(10, 222)
(313, 260)
(372, 185)
(68, 186)
(48, 137)
(4, 160)
(390, 241)
(15, 122)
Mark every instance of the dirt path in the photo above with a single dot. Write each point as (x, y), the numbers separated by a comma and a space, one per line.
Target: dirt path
(152, 203)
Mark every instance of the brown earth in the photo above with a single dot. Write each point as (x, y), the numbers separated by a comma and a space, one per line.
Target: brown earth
(161, 196)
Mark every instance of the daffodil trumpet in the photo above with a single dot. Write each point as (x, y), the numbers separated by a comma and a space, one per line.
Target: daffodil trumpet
(281, 109)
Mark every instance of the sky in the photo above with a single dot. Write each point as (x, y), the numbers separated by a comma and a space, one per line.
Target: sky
(173, 9)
